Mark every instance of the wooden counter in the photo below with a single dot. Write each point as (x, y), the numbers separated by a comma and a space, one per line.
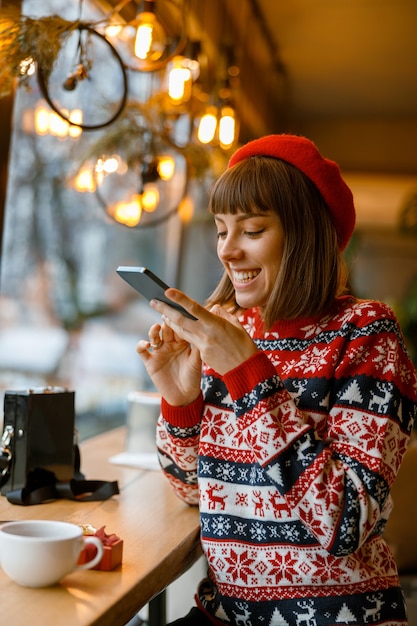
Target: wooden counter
(161, 540)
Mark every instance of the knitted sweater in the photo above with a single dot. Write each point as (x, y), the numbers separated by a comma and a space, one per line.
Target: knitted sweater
(291, 457)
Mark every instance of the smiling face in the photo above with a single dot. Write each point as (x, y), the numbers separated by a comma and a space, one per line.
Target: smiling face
(277, 242)
(250, 247)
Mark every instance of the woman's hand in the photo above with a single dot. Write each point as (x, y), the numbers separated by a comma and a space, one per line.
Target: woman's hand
(173, 365)
(217, 335)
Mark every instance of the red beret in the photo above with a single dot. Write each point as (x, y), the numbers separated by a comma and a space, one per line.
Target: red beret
(325, 174)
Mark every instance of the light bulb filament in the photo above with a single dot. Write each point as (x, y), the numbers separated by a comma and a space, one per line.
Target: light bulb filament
(150, 37)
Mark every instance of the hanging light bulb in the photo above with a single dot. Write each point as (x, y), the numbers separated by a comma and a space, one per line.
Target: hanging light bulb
(183, 71)
(112, 30)
(57, 125)
(150, 198)
(41, 120)
(207, 126)
(106, 165)
(127, 213)
(75, 117)
(227, 127)
(179, 80)
(84, 180)
(150, 38)
(166, 167)
(49, 122)
(109, 164)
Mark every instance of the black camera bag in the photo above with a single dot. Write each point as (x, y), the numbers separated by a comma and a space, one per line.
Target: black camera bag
(39, 454)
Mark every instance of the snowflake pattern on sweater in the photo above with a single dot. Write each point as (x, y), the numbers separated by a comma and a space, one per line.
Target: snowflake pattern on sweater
(291, 457)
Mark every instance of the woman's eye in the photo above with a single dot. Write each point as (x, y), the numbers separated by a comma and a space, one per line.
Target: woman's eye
(222, 234)
(254, 233)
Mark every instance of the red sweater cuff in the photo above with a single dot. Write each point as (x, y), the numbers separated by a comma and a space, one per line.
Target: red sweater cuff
(183, 416)
(243, 378)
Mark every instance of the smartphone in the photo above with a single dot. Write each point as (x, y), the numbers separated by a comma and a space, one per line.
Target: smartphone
(149, 285)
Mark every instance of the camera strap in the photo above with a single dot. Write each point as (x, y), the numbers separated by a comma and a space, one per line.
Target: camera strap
(5, 454)
(80, 490)
(42, 485)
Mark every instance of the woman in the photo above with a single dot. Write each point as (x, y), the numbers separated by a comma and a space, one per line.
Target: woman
(287, 404)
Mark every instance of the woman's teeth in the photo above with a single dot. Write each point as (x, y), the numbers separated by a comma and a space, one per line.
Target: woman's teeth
(243, 277)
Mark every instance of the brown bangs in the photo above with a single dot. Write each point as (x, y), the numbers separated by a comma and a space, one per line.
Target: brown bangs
(238, 190)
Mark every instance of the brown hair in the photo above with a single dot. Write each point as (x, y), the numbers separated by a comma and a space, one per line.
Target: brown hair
(312, 271)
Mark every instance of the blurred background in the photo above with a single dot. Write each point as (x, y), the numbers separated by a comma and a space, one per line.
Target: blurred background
(89, 120)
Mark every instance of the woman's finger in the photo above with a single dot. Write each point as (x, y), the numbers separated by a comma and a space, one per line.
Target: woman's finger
(167, 333)
(155, 336)
(220, 311)
(142, 348)
(178, 297)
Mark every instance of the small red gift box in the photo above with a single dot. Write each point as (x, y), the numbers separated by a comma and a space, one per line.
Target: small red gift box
(113, 550)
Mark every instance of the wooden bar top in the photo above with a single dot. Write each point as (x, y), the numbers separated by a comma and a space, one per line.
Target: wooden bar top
(161, 540)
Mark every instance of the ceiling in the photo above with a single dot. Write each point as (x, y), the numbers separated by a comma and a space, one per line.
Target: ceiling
(350, 71)
(346, 58)
(351, 80)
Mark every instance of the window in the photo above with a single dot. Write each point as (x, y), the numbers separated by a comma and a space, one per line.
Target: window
(66, 317)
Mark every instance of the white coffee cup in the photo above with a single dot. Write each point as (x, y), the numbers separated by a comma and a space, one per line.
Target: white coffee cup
(38, 553)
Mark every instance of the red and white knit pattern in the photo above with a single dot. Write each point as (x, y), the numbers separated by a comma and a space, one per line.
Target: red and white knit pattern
(296, 451)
